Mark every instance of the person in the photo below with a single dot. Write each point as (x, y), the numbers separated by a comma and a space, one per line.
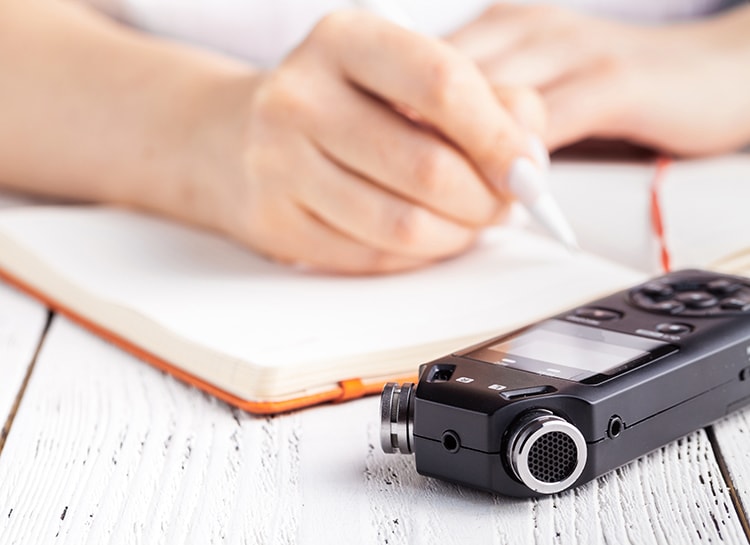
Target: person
(360, 147)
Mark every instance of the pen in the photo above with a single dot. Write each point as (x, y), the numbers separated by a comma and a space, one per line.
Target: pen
(526, 180)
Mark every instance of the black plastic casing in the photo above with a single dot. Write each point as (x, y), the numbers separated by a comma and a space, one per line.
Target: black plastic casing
(706, 377)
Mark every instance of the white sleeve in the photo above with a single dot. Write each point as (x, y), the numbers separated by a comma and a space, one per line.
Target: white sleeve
(259, 31)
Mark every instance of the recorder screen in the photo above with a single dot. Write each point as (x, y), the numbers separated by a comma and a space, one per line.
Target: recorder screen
(570, 351)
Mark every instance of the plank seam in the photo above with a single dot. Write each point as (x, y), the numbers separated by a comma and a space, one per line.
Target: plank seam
(724, 469)
(22, 390)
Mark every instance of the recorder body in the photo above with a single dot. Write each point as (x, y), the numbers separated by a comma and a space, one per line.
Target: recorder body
(562, 401)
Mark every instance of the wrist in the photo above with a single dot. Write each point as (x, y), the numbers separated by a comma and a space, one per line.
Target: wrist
(210, 147)
(198, 147)
(727, 35)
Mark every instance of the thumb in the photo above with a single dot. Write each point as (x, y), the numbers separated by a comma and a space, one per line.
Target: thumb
(526, 106)
(586, 106)
(528, 109)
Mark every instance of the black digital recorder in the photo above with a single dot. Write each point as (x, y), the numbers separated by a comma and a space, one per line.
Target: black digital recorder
(560, 402)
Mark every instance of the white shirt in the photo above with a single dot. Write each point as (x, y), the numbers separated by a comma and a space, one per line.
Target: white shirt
(264, 31)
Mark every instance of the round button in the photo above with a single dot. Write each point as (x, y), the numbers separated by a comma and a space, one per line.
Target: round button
(736, 303)
(723, 287)
(696, 299)
(600, 314)
(672, 307)
(674, 328)
(657, 290)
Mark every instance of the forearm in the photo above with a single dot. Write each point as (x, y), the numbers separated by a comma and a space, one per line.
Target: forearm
(716, 55)
(724, 43)
(735, 28)
(94, 111)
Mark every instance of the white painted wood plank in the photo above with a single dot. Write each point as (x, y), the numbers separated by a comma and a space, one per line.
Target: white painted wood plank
(108, 450)
(22, 322)
(733, 438)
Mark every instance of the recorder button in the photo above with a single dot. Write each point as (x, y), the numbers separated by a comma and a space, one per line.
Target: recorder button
(670, 306)
(723, 287)
(518, 393)
(689, 284)
(735, 303)
(673, 328)
(600, 314)
(658, 290)
(696, 299)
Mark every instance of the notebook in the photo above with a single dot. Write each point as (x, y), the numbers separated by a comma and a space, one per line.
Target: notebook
(703, 206)
(268, 338)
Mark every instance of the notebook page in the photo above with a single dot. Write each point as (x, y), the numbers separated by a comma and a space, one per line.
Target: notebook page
(209, 291)
(608, 205)
(706, 209)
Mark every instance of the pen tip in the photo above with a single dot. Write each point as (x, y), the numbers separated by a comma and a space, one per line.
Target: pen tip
(572, 247)
(547, 212)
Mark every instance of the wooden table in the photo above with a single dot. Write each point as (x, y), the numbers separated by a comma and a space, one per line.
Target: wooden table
(102, 448)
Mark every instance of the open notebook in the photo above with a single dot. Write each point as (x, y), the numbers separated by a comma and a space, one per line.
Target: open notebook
(268, 338)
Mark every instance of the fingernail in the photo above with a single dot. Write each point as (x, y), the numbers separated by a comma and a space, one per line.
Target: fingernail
(526, 180)
(539, 151)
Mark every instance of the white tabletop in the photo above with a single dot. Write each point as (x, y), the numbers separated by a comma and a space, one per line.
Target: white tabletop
(105, 449)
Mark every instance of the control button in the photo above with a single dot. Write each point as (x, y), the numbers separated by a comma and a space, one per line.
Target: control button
(672, 307)
(689, 284)
(600, 314)
(723, 287)
(649, 333)
(518, 393)
(735, 303)
(465, 380)
(657, 290)
(696, 299)
(671, 328)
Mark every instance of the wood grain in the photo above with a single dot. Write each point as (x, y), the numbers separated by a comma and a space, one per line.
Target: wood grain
(22, 323)
(105, 449)
(733, 443)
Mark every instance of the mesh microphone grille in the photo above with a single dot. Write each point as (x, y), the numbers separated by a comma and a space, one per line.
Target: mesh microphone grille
(553, 457)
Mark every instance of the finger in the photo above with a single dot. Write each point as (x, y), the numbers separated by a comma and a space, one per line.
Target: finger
(407, 160)
(591, 103)
(375, 217)
(434, 80)
(489, 34)
(536, 62)
(526, 106)
(308, 242)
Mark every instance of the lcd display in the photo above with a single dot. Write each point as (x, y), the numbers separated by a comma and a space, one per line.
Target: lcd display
(576, 352)
(571, 351)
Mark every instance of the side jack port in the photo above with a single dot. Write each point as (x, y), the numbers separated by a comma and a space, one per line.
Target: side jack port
(450, 440)
(615, 427)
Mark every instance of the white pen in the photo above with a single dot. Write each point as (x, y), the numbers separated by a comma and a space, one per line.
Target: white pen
(526, 180)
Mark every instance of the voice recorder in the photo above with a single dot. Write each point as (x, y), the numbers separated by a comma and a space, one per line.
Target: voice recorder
(560, 402)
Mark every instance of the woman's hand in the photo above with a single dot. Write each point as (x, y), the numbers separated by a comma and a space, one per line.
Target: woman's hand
(681, 88)
(372, 149)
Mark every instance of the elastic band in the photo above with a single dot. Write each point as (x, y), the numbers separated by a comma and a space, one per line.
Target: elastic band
(657, 221)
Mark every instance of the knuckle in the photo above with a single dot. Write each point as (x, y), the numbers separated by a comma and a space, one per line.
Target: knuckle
(499, 145)
(407, 227)
(429, 171)
(448, 79)
(332, 24)
(281, 96)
